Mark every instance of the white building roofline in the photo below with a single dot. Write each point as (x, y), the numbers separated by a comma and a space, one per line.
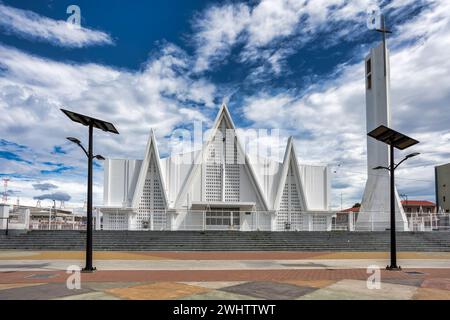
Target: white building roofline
(151, 150)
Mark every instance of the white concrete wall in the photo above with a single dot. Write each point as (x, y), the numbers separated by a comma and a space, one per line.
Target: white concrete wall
(247, 189)
(4, 213)
(120, 177)
(316, 186)
(175, 171)
(268, 173)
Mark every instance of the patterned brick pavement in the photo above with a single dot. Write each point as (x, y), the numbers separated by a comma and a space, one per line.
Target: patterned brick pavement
(302, 284)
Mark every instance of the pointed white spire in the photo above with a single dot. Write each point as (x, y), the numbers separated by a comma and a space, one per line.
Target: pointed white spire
(151, 154)
(290, 157)
(223, 114)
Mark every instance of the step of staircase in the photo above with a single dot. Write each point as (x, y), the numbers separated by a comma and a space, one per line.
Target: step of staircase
(226, 241)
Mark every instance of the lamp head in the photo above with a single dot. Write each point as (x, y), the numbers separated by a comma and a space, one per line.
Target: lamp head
(99, 157)
(74, 140)
(412, 155)
(378, 168)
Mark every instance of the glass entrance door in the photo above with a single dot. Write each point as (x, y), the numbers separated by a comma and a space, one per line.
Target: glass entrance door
(223, 219)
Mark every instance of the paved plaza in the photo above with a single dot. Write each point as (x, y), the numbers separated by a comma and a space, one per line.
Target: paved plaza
(224, 275)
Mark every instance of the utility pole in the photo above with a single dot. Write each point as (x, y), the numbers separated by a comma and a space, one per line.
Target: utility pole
(5, 192)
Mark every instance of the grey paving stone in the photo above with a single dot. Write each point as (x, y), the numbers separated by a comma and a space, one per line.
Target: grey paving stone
(91, 296)
(41, 292)
(415, 282)
(99, 286)
(270, 290)
(42, 276)
(218, 295)
(387, 291)
(327, 294)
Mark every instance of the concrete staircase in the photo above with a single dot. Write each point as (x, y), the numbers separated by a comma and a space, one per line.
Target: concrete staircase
(226, 241)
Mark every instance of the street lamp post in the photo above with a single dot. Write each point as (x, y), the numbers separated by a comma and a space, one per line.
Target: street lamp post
(91, 123)
(401, 142)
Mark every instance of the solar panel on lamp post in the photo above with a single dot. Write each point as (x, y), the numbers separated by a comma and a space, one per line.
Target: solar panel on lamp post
(91, 123)
(400, 141)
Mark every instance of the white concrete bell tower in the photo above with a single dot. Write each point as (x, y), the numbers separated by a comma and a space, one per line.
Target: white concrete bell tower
(375, 207)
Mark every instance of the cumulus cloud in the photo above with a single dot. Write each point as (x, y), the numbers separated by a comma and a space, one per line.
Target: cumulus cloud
(162, 95)
(217, 30)
(329, 120)
(34, 26)
(262, 28)
(58, 196)
(44, 186)
(10, 192)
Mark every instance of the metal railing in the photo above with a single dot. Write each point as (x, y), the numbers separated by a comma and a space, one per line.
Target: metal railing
(339, 227)
(205, 220)
(214, 219)
(416, 221)
(217, 220)
(54, 225)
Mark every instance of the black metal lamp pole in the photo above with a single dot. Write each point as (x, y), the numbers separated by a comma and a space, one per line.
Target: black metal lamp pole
(400, 141)
(89, 267)
(393, 238)
(91, 123)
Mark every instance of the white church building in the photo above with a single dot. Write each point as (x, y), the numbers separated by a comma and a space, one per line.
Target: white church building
(218, 187)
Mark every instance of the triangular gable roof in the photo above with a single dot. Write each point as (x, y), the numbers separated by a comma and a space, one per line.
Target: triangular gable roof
(222, 114)
(150, 151)
(288, 156)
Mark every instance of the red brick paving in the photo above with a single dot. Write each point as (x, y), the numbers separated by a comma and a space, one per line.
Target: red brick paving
(225, 275)
(436, 283)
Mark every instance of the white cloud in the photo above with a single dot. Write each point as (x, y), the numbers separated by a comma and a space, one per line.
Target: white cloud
(161, 96)
(265, 24)
(273, 19)
(329, 122)
(217, 31)
(32, 25)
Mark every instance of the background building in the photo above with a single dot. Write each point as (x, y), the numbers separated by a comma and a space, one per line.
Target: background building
(442, 176)
(418, 206)
(40, 218)
(422, 215)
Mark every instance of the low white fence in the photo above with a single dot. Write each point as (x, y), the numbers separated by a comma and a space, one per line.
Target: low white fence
(380, 221)
(204, 220)
(222, 220)
(44, 225)
(234, 221)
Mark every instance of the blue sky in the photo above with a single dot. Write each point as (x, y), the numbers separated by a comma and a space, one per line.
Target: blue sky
(292, 65)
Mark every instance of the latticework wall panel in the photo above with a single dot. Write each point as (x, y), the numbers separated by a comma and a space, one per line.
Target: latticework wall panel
(213, 177)
(319, 223)
(222, 178)
(151, 201)
(115, 221)
(290, 211)
(232, 171)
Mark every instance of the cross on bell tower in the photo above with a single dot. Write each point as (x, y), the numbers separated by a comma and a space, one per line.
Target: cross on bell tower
(383, 32)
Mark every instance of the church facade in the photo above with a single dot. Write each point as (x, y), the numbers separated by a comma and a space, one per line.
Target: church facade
(219, 187)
